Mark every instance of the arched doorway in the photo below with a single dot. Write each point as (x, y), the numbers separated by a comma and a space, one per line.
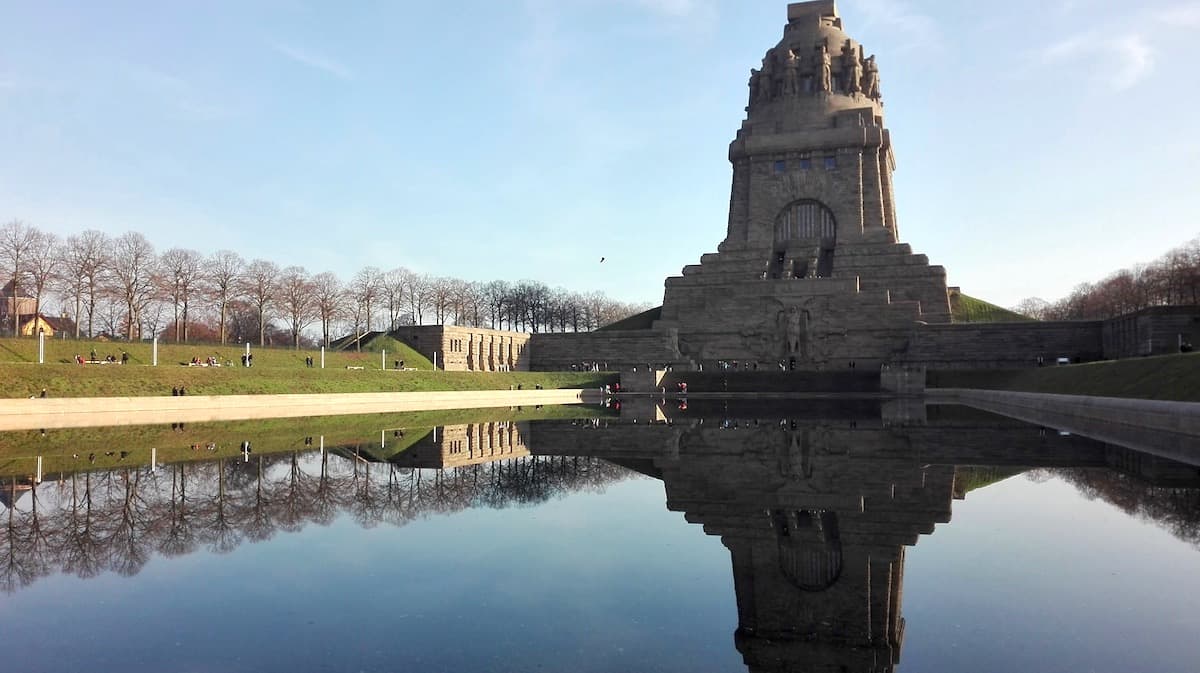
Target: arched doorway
(805, 236)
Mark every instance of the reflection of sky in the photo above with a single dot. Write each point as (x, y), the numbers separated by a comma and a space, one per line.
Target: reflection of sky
(1027, 577)
(1034, 577)
(590, 581)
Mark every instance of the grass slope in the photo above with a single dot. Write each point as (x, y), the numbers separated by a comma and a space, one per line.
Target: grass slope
(1166, 377)
(275, 371)
(964, 308)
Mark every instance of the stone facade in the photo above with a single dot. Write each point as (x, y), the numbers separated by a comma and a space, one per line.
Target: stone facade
(474, 349)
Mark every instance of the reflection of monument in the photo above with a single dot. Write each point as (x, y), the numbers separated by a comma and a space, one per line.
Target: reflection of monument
(817, 512)
(816, 533)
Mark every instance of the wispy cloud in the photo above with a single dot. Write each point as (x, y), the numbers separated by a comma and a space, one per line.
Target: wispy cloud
(1117, 57)
(1181, 16)
(675, 8)
(187, 100)
(314, 60)
(920, 31)
(1118, 62)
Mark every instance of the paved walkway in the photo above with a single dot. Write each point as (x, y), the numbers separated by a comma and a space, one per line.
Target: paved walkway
(1164, 428)
(80, 412)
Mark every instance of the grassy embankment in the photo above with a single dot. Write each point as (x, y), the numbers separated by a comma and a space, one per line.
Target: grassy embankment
(275, 371)
(59, 448)
(1166, 377)
(965, 308)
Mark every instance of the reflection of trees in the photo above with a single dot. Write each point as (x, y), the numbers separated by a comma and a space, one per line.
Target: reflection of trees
(1176, 510)
(87, 523)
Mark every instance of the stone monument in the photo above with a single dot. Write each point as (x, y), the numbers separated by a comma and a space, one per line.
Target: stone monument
(811, 272)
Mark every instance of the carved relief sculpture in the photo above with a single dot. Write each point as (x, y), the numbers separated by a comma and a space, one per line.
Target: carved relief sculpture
(852, 69)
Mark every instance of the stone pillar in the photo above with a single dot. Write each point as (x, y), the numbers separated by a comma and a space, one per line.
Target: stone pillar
(889, 198)
(739, 203)
(872, 186)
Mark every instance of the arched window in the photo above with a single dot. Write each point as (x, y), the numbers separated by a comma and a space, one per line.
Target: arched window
(805, 219)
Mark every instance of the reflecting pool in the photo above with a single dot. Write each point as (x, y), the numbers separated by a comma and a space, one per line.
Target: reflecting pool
(724, 536)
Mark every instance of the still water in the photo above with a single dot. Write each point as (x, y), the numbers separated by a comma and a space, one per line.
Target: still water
(722, 538)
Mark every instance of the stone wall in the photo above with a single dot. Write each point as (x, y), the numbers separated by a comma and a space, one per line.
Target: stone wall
(1153, 331)
(612, 350)
(1002, 345)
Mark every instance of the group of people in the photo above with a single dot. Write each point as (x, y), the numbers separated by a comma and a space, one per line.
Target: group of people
(744, 366)
(588, 366)
(210, 361)
(178, 391)
(108, 359)
(247, 359)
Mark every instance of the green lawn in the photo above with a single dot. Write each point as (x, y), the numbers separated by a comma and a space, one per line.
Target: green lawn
(1167, 377)
(275, 371)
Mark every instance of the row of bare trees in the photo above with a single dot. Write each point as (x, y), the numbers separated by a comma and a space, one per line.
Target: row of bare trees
(88, 523)
(1172, 279)
(120, 286)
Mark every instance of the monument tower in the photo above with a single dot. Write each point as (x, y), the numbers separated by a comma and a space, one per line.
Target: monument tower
(811, 271)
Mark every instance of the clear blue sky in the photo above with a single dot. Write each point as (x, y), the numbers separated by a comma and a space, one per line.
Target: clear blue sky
(1039, 143)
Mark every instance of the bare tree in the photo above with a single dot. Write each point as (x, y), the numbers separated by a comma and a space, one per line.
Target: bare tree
(224, 273)
(393, 285)
(133, 263)
(495, 295)
(366, 286)
(441, 291)
(297, 296)
(328, 297)
(260, 284)
(42, 266)
(85, 257)
(180, 274)
(416, 286)
(16, 240)
(1034, 307)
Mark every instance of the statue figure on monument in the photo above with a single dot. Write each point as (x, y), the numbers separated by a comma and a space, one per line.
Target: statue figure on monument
(824, 70)
(795, 322)
(870, 85)
(852, 69)
(763, 87)
(754, 86)
(791, 74)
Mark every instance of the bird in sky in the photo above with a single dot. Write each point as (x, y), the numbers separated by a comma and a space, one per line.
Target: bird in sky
(601, 260)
